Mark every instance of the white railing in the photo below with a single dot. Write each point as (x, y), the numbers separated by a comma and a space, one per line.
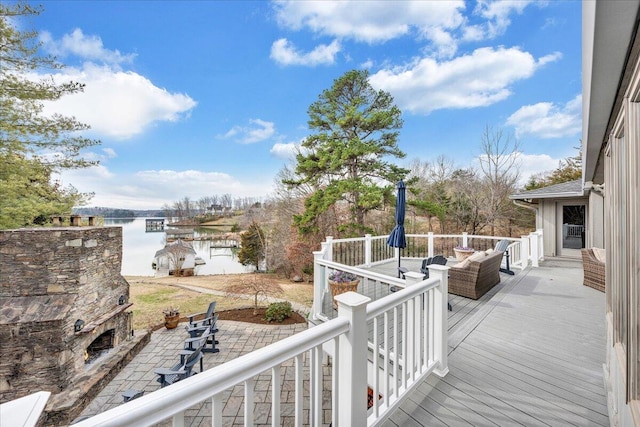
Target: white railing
(410, 341)
(372, 250)
(171, 402)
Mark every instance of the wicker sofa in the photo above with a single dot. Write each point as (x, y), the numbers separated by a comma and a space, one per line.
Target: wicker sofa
(476, 277)
(593, 266)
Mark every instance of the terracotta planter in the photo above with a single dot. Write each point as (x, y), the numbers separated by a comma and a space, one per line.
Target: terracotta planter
(461, 255)
(338, 288)
(171, 322)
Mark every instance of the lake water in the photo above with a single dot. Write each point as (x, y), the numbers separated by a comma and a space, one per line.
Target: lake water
(139, 247)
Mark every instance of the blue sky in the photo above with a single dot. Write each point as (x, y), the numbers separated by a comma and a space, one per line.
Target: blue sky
(203, 98)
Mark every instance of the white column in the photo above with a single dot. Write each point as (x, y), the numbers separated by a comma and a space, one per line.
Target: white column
(352, 365)
(441, 273)
(318, 285)
(430, 244)
(329, 250)
(465, 239)
(540, 232)
(524, 251)
(533, 239)
(367, 250)
(412, 358)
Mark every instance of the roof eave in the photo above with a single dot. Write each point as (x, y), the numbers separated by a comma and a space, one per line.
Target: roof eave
(607, 29)
(566, 195)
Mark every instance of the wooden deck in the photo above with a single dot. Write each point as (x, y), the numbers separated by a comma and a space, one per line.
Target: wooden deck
(528, 353)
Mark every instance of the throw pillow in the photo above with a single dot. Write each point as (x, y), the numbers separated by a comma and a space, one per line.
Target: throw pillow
(462, 264)
(600, 254)
(477, 256)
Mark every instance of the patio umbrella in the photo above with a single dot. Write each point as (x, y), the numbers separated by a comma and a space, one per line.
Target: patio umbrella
(397, 238)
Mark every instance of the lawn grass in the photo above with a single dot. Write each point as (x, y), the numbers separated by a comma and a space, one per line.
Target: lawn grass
(150, 295)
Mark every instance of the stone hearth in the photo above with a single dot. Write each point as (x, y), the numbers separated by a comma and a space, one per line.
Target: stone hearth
(61, 289)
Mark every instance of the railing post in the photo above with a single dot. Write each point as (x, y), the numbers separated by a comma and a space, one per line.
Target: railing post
(524, 251)
(540, 232)
(329, 249)
(412, 359)
(465, 239)
(319, 283)
(440, 272)
(367, 250)
(430, 243)
(533, 239)
(352, 361)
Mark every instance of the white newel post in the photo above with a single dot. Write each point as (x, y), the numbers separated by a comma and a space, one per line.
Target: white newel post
(524, 251)
(465, 240)
(329, 249)
(441, 273)
(413, 327)
(318, 285)
(352, 361)
(367, 250)
(533, 239)
(540, 232)
(430, 243)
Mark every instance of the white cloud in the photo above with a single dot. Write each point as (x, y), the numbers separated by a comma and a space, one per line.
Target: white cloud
(366, 65)
(546, 120)
(369, 21)
(103, 155)
(497, 13)
(531, 164)
(110, 153)
(442, 23)
(259, 130)
(286, 151)
(115, 103)
(283, 52)
(151, 189)
(479, 79)
(86, 47)
(118, 104)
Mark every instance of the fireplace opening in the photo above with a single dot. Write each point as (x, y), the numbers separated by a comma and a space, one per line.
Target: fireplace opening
(99, 346)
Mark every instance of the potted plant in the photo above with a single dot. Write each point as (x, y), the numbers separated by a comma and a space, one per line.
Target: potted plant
(463, 252)
(171, 317)
(341, 282)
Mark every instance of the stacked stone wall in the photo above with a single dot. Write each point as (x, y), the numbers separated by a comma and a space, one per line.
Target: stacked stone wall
(30, 360)
(49, 279)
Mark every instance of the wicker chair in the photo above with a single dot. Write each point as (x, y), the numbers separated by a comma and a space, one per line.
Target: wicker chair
(477, 278)
(593, 269)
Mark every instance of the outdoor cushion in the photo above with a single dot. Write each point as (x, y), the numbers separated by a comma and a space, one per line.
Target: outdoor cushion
(476, 279)
(489, 251)
(477, 256)
(461, 264)
(600, 254)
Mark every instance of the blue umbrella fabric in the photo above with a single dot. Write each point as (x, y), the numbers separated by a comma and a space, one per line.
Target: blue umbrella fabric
(397, 238)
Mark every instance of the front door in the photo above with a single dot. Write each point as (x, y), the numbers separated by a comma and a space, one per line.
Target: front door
(571, 229)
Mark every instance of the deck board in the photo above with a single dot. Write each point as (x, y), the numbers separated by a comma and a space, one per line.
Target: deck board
(530, 354)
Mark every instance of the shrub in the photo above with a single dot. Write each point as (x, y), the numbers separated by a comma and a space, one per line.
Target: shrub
(278, 311)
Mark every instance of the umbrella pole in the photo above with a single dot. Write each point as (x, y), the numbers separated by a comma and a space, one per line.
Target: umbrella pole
(399, 256)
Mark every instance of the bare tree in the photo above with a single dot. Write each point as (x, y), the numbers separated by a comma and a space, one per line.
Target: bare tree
(258, 287)
(466, 201)
(177, 253)
(499, 170)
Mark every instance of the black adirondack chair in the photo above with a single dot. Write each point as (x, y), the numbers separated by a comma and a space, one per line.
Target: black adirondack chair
(206, 335)
(206, 321)
(182, 370)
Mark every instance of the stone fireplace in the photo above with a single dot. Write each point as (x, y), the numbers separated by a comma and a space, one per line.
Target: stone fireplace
(99, 346)
(64, 305)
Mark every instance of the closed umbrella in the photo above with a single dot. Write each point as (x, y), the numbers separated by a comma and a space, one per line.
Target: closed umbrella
(397, 238)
